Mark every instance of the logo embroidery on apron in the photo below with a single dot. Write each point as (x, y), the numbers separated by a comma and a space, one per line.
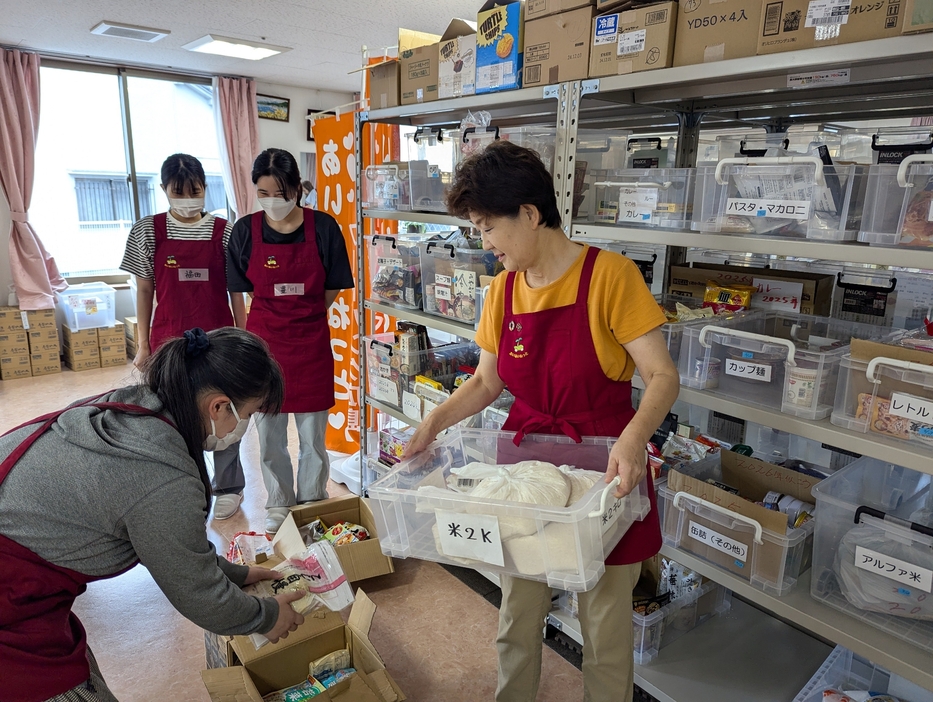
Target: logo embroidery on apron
(170, 262)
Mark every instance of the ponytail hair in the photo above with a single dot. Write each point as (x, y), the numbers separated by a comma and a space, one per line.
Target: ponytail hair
(230, 361)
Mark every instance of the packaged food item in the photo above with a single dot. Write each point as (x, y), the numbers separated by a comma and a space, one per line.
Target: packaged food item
(337, 676)
(650, 605)
(392, 443)
(679, 450)
(246, 547)
(329, 664)
(313, 532)
(676, 579)
(307, 690)
(722, 486)
(723, 297)
(394, 283)
(345, 533)
(798, 512)
(881, 420)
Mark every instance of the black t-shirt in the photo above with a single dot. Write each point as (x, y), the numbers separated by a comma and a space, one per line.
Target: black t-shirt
(330, 245)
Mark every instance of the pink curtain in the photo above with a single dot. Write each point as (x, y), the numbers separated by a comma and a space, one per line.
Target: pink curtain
(35, 274)
(921, 122)
(238, 131)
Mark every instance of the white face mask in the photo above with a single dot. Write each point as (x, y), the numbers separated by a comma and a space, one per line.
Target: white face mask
(276, 207)
(187, 207)
(217, 443)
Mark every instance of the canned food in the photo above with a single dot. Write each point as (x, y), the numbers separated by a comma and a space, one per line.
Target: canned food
(706, 371)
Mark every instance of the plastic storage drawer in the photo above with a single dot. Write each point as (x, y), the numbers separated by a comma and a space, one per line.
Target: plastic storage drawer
(791, 366)
(846, 672)
(697, 366)
(542, 140)
(394, 270)
(873, 551)
(642, 197)
(899, 204)
(434, 145)
(428, 186)
(391, 372)
(794, 196)
(386, 187)
(886, 396)
(565, 547)
(88, 306)
(451, 278)
(772, 561)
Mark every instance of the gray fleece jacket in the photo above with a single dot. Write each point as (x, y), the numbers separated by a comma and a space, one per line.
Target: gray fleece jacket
(103, 490)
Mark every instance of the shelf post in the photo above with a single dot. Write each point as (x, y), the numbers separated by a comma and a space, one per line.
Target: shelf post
(568, 117)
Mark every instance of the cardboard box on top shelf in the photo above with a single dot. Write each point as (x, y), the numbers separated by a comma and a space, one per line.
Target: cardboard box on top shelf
(43, 340)
(14, 343)
(107, 336)
(11, 320)
(385, 77)
(500, 36)
(636, 40)
(557, 47)
(918, 16)
(536, 9)
(79, 339)
(716, 30)
(816, 290)
(15, 367)
(789, 25)
(418, 71)
(40, 319)
(457, 56)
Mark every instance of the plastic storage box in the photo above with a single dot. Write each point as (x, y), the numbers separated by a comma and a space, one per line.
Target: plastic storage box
(451, 278)
(428, 184)
(598, 152)
(697, 365)
(886, 396)
(432, 144)
(563, 546)
(642, 197)
(792, 364)
(386, 187)
(769, 560)
(846, 672)
(873, 551)
(394, 270)
(88, 306)
(793, 196)
(899, 204)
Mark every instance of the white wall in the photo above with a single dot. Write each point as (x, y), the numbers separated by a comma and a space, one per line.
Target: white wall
(293, 135)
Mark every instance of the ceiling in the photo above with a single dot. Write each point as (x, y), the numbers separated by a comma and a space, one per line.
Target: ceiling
(325, 35)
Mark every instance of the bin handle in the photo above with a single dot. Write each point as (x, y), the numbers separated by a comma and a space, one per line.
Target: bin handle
(878, 514)
(789, 345)
(907, 163)
(372, 171)
(639, 184)
(604, 498)
(388, 347)
(871, 371)
(744, 143)
(383, 237)
(770, 161)
(656, 141)
(681, 496)
(435, 244)
(472, 130)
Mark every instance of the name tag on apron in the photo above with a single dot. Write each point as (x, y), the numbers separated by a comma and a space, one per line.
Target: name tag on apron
(186, 275)
(282, 289)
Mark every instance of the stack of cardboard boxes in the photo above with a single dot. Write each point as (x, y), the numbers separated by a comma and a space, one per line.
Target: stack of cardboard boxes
(44, 351)
(95, 348)
(28, 343)
(130, 332)
(111, 342)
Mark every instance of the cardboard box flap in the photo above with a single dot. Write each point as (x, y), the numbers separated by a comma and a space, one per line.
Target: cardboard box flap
(230, 685)
(288, 540)
(361, 614)
(490, 4)
(320, 621)
(867, 350)
(755, 478)
(388, 690)
(459, 28)
(409, 39)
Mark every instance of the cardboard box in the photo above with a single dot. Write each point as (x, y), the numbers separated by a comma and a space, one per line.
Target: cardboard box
(536, 9)
(130, 327)
(457, 57)
(43, 340)
(80, 354)
(107, 336)
(45, 364)
(113, 361)
(716, 30)
(606, 5)
(40, 319)
(557, 48)
(11, 320)
(14, 367)
(918, 16)
(83, 364)
(360, 560)
(14, 343)
(418, 71)
(784, 23)
(85, 338)
(44, 357)
(816, 296)
(500, 36)
(633, 41)
(113, 350)
(384, 85)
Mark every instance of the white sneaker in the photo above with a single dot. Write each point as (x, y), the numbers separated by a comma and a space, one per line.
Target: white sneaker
(274, 518)
(225, 506)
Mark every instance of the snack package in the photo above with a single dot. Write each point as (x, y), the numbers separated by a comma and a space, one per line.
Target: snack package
(336, 677)
(677, 580)
(650, 605)
(883, 422)
(679, 450)
(313, 532)
(307, 690)
(721, 297)
(329, 664)
(345, 533)
(246, 546)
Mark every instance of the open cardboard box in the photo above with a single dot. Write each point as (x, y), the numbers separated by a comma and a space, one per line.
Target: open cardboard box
(385, 77)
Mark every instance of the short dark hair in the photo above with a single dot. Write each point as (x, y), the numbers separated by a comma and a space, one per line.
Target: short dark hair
(499, 180)
(183, 173)
(282, 166)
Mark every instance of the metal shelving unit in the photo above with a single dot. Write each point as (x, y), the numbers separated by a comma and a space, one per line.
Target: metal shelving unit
(449, 326)
(391, 411)
(421, 217)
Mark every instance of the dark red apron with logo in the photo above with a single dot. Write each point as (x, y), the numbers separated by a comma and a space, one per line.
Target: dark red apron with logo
(190, 283)
(290, 313)
(43, 647)
(549, 363)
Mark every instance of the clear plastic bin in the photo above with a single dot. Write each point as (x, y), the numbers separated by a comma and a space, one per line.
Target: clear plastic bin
(772, 561)
(451, 278)
(697, 365)
(434, 145)
(794, 196)
(386, 187)
(886, 396)
(892, 144)
(88, 306)
(542, 140)
(429, 186)
(391, 372)
(846, 672)
(873, 550)
(647, 197)
(644, 152)
(791, 365)
(394, 270)
(899, 204)
(565, 547)
(598, 151)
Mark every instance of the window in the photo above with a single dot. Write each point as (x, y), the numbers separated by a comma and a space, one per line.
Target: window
(83, 204)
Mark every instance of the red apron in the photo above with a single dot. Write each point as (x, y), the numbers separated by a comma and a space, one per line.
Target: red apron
(548, 361)
(190, 283)
(289, 312)
(43, 648)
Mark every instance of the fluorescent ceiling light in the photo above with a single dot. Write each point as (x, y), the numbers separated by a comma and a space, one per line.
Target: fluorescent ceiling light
(235, 48)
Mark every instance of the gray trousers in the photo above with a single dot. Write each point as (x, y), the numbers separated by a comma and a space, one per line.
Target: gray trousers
(276, 463)
(228, 472)
(94, 689)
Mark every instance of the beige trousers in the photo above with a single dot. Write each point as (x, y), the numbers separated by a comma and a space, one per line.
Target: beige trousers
(606, 622)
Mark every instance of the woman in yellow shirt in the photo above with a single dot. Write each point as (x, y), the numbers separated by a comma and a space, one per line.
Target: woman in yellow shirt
(564, 330)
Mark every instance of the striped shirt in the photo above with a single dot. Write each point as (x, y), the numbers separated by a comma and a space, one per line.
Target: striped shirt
(139, 257)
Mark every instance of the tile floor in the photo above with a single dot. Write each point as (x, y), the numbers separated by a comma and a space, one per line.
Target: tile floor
(435, 633)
